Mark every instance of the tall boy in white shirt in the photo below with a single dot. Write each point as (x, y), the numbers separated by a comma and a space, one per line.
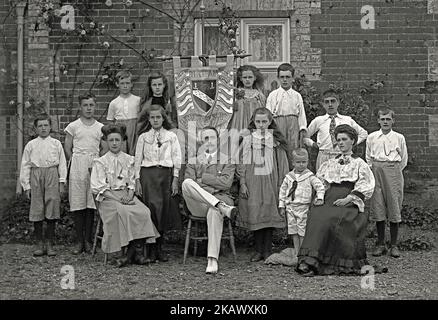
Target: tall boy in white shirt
(325, 127)
(387, 155)
(287, 107)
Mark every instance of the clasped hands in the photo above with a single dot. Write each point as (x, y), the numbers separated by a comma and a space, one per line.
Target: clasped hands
(344, 201)
(139, 191)
(128, 198)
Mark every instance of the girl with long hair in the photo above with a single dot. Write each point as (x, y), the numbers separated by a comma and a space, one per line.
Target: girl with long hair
(261, 170)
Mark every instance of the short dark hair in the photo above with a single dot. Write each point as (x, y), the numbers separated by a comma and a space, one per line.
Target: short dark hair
(210, 128)
(348, 130)
(114, 128)
(330, 93)
(42, 117)
(86, 96)
(285, 67)
(123, 75)
(385, 110)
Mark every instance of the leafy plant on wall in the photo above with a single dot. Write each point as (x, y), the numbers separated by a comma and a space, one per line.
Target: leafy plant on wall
(229, 23)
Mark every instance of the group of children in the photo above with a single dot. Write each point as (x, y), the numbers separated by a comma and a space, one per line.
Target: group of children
(277, 124)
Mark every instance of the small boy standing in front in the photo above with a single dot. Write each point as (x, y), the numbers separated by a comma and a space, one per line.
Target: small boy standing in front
(287, 107)
(296, 195)
(43, 174)
(387, 155)
(125, 109)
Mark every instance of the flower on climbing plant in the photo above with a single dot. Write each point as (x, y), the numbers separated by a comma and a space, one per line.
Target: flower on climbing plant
(106, 44)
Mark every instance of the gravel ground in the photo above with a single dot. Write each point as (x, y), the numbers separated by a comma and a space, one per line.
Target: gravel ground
(22, 276)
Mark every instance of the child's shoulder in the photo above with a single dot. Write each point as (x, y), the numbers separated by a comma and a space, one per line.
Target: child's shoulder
(274, 92)
(74, 124)
(398, 134)
(115, 100)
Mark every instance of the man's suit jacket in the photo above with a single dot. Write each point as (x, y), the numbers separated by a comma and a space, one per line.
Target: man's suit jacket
(215, 178)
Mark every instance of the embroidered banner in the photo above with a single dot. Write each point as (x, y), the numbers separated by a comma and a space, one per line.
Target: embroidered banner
(204, 95)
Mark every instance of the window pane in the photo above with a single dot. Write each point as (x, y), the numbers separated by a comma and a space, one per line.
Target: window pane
(214, 41)
(265, 43)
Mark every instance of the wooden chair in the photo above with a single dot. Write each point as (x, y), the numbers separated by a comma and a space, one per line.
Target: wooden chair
(197, 223)
(96, 234)
(98, 237)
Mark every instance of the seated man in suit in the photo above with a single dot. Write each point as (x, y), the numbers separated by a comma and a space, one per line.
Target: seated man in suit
(206, 190)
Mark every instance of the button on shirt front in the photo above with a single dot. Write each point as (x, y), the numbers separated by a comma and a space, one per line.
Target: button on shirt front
(387, 147)
(124, 108)
(284, 103)
(42, 153)
(158, 149)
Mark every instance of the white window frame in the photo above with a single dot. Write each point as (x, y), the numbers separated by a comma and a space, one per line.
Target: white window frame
(199, 32)
(244, 32)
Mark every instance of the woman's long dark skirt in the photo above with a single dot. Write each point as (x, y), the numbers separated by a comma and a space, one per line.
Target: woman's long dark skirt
(334, 242)
(156, 183)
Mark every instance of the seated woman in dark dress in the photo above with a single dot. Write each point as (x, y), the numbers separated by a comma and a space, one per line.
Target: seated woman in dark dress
(334, 242)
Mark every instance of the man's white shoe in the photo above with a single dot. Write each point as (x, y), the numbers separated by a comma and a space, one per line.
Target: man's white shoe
(226, 210)
(212, 266)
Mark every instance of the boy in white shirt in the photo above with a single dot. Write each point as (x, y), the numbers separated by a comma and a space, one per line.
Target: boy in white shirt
(296, 195)
(325, 127)
(124, 109)
(43, 174)
(387, 155)
(287, 107)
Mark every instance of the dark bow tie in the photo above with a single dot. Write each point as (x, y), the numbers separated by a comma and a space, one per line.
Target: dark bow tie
(344, 160)
(291, 193)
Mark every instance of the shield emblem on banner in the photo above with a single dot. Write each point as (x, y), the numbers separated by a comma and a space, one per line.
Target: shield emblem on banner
(204, 93)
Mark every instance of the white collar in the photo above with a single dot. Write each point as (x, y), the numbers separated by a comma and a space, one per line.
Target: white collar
(385, 135)
(337, 115)
(44, 139)
(212, 155)
(289, 91)
(257, 134)
(114, 155)
(161, 131)
(125, 98)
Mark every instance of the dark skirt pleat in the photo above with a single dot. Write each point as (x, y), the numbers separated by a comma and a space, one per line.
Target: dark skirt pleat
(156, 184)
(334, 242)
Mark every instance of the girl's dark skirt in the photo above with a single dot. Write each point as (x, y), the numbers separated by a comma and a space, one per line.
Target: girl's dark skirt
(334, 242)
(156, 183)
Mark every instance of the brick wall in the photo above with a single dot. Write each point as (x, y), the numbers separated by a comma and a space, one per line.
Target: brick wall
(398, 52)
(8, 89)
(152, 33)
